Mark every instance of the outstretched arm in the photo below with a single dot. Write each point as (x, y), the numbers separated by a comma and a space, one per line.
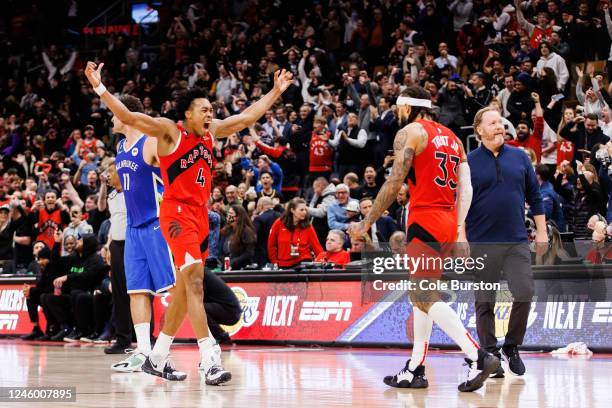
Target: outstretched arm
(156, 127)
(233, 124)
(407, 144)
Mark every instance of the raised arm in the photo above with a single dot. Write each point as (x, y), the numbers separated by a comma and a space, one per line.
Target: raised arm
(156, 127)
(233, 124)
(407, 144)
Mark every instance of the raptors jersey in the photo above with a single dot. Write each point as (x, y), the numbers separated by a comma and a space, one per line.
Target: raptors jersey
(432, 180)
(187, 171)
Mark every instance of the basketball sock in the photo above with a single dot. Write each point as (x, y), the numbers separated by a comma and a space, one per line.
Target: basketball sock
(422, 324)
(143, 338)
(161, 349)
(449, 322)
(206, 344)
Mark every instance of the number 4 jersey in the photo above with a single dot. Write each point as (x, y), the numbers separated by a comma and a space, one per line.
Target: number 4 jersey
(187, 171)
(432, 181)
(141, 182)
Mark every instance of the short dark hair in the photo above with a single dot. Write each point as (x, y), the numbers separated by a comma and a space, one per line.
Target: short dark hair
(186, 98)
(265, 172)
(592, 116)
(132, 103)
(523, 122)
(544, 172)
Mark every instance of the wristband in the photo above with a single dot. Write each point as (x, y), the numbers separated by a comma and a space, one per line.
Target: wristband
(100, 89)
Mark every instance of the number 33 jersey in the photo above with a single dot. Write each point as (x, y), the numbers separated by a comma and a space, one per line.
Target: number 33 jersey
(432, 181)
(187, 171)
(141, 183)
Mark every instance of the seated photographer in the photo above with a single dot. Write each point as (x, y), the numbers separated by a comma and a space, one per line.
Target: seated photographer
(293, 238)
(334, 253)
(238, 238)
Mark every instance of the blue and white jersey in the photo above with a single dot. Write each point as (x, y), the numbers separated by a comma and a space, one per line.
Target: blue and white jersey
(142, 184)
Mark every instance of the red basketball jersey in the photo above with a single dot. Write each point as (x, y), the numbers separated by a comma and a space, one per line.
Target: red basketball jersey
(432, 180)
(187, 171)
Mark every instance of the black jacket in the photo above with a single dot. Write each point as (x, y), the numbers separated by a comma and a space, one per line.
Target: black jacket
(263, 224)
(583, 140)
(86, 270)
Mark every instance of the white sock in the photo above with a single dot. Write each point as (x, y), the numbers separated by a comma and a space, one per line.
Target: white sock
(206, 344)
(449, 322)
(422, 324)
(162, 348)
(143, 337)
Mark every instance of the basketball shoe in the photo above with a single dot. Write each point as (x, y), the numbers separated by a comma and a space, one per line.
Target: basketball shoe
(164, 370)
(407, 378)
(131, 364)
(512, 357)
(479, 371)
(211, 366)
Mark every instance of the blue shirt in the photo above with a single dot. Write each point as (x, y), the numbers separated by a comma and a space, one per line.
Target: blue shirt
(142, 184)
(501, 186)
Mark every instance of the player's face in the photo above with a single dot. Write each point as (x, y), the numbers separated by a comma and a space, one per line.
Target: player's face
(118, 126)
(199, 116)
(403, 112)
(491, 126)
(333, 243)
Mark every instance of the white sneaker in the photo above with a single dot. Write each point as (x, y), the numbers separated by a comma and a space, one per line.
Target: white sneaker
(131, 364)
(211, 365)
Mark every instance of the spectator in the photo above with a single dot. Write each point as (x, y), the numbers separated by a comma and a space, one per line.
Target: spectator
(350, 143)
(384, 227)
(527, 139)
(334, 250)
(336, 214)
(552, 60)
(292, 238)
(48, 217)
(352, 181)
(34, 293)
(324, 196)
(238, 238)
(538, 32)
(385, 127)
(585, 137)
(592, 99)
(445, 59)
(478, 96)
(266, 182)
(451, 100)
(77, 226)
(286, 159)
(520, 103)
(550, 199)
(321, 150)
(266, 215)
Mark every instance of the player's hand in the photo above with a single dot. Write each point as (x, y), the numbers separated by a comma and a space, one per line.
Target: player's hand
(282, 79)
(92, 72)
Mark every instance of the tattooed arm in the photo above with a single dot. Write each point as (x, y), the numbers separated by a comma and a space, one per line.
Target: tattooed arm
(409, 142)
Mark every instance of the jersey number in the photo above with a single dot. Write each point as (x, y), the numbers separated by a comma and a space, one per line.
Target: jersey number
(444, 159)
(200, 179)
(126, 181)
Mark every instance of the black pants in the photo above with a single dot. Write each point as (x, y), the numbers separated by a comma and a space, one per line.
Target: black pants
(58, 308)
(82, 302)
(220, 303)
(34, 300)
(102, 310)
(515, 262)
(122, 319)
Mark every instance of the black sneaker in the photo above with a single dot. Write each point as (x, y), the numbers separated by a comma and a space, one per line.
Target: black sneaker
(167, 371)
(407, 378)
(74, 336)
(59, 336)
(36, 332)
(104, 338)
(515, 364)
(479, 371)
(116, 348)
(90, 338)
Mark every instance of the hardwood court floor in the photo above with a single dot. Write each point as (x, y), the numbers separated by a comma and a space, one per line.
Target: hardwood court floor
(301, 377)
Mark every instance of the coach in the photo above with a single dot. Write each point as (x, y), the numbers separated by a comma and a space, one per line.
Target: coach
(503, 179)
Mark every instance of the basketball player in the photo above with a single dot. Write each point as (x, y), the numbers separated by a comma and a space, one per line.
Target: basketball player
(186, 161)
(433, 159)
(148, 265)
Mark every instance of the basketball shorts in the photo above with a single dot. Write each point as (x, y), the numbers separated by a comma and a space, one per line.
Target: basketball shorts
(185, 228)
(148, 263)
(431, 236)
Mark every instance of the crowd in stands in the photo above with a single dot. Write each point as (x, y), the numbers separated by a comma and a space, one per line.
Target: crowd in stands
(285, 190)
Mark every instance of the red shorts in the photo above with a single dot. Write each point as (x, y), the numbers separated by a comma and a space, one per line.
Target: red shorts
(185, 228)
(431, 235)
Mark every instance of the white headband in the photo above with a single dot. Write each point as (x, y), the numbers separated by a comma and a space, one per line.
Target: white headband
(406, 100)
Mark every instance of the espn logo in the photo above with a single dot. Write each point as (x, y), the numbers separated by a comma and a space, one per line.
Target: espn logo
(322, 311)
(8, 321)
(602, 312)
